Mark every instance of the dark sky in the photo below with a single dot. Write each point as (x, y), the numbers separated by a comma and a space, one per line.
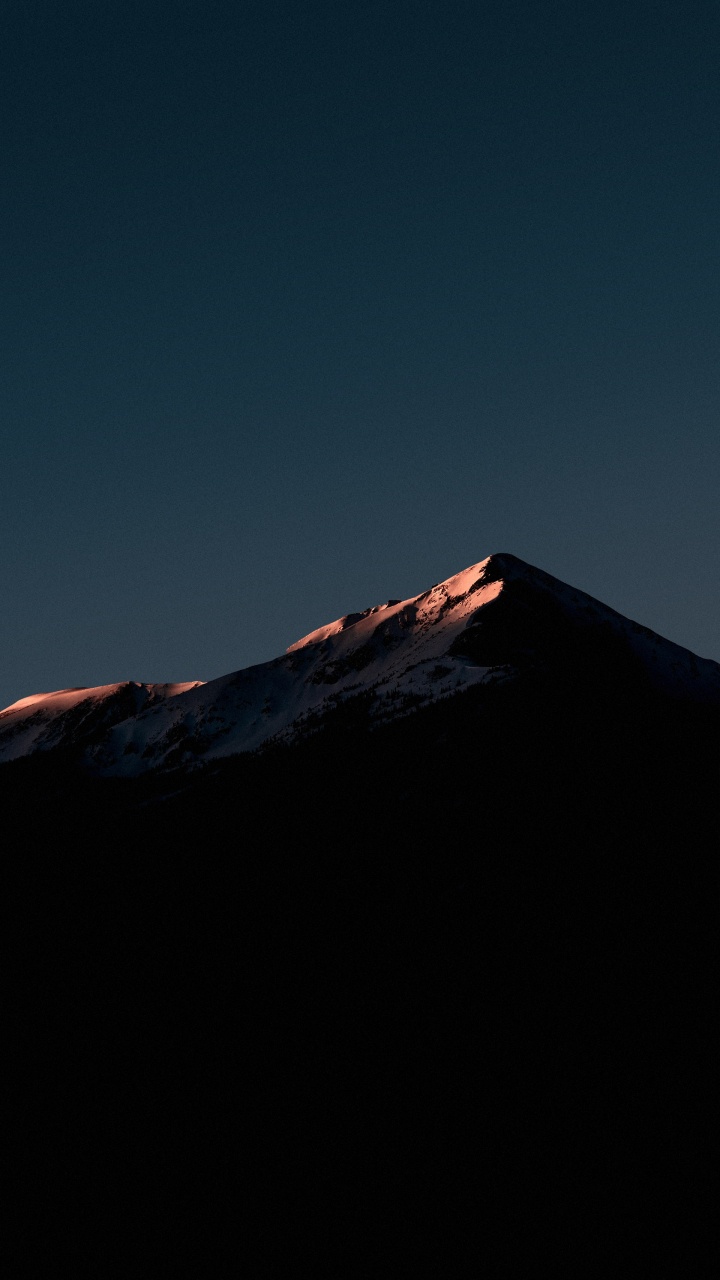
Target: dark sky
(305, 305)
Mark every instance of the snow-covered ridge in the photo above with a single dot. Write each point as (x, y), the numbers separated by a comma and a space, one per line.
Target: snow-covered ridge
(396, 654)
(482, 625)
(63, 699)
(69, 717)
(428, 606)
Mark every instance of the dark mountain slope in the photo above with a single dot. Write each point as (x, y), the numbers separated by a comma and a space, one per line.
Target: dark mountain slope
(362, 1004)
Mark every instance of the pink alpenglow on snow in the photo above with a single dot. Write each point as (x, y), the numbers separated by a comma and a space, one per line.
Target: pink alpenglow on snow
(428, 608)
(67, 716)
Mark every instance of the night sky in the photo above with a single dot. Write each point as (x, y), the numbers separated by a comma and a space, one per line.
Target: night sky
(305, 305)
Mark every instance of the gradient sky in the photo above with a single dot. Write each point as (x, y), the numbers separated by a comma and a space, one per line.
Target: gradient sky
(305, 305)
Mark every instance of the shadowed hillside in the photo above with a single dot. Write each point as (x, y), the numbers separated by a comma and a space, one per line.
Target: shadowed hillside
(388, 983)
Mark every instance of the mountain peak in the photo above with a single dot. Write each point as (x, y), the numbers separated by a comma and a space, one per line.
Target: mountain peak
(434, 601)
(498, 618)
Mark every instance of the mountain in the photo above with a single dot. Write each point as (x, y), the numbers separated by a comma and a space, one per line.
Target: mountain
(396, 952)
(492, 622)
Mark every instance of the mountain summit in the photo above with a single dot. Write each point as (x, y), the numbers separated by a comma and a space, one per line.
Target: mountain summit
(493, 622)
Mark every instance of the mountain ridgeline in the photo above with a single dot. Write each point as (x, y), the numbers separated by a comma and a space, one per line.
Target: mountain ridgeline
(338, 962)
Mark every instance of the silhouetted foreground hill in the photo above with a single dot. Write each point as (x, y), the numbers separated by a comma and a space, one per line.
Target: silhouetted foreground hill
(376, 1003)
